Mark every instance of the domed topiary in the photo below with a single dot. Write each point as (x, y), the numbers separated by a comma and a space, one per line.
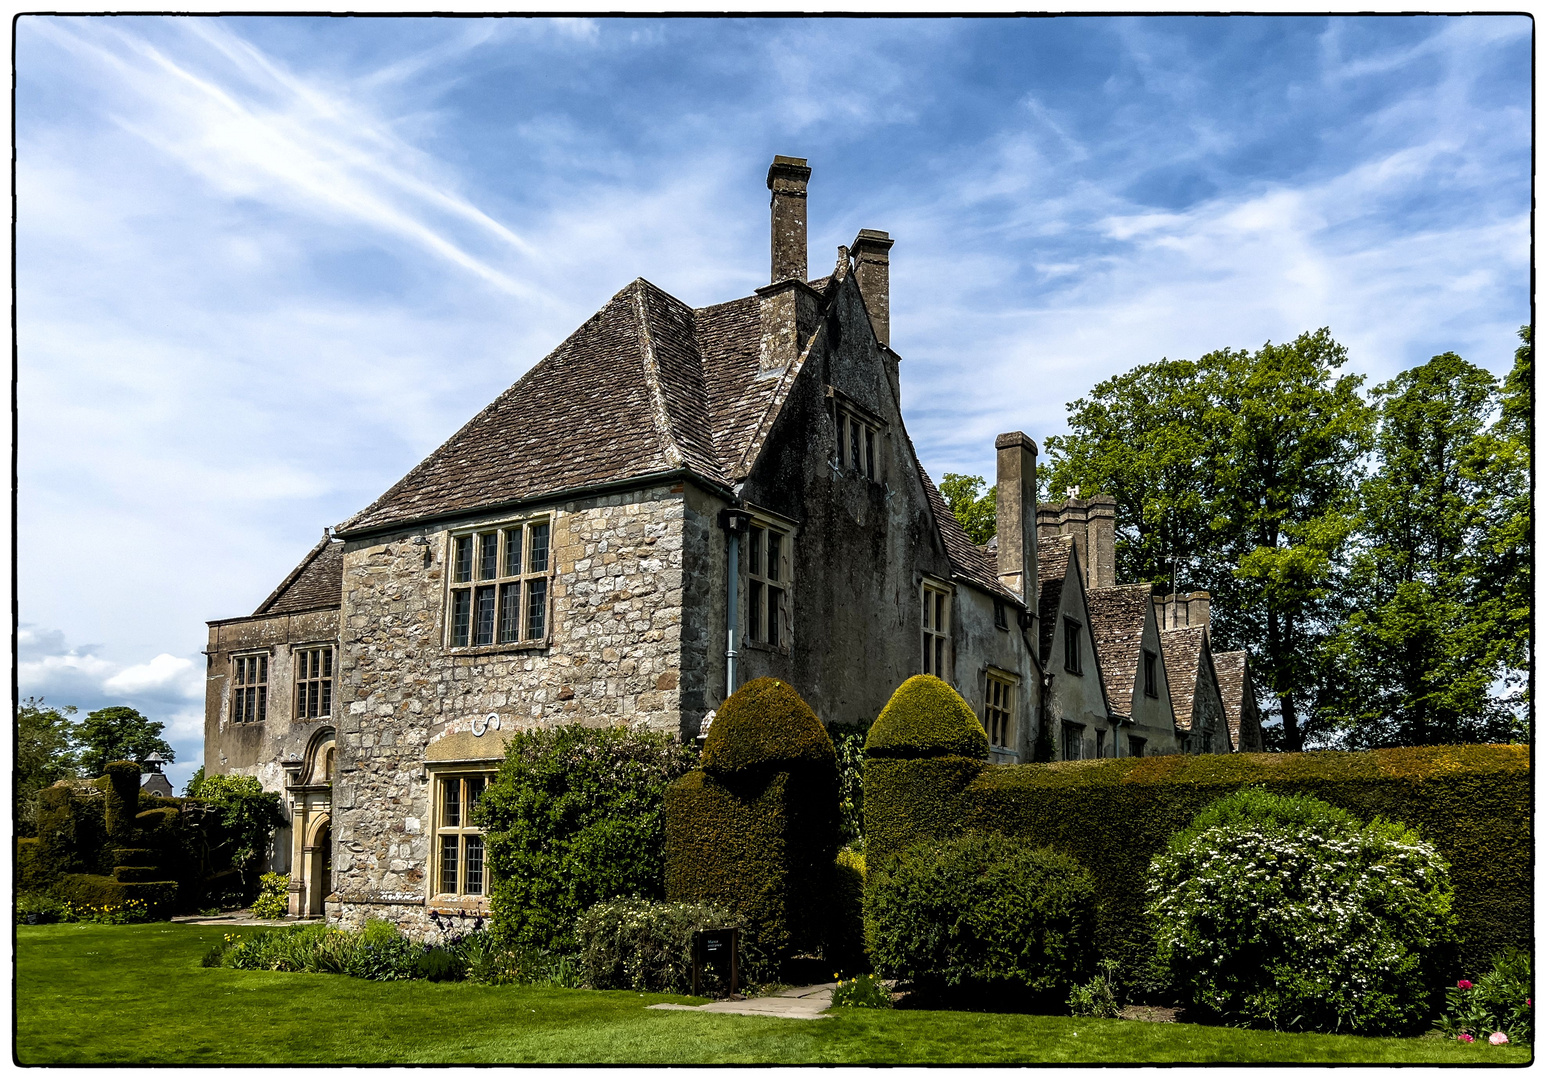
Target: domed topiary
(926, 718)
(764, 725)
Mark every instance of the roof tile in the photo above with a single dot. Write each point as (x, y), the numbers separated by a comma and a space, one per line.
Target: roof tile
(1117, 617)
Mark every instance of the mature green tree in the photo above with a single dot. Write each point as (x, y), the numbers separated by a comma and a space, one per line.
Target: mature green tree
(975, 509)
(1150, 438)
(119, 733)
(45, 751)
(1285, 499)
(1434, 628)
(1236, 473)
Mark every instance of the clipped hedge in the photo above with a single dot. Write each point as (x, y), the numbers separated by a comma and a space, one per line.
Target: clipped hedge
(926, 718)
(100, 891)
(756, 828)
(123, 799)
(71, 831)
(29, 869)
(766, 725)
(1472, 802)
(846, 928)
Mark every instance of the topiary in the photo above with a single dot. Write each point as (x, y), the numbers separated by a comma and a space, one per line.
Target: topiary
(1283, 911)
(646, 945)
(766, 725)
(985, 917)
(926, 718)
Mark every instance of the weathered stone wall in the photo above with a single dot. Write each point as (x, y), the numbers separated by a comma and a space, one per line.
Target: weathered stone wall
(255, 749)
(1153, 720)
(1078, 699)
(614, 656)
(980, 644)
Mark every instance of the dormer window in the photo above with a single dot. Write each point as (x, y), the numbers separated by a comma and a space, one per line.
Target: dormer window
(858, 437)
(1072, 646)
(1151, 683)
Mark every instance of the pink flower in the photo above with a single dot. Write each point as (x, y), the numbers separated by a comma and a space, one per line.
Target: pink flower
(1498, 1038)
(1464, 984)
(1464, 1037)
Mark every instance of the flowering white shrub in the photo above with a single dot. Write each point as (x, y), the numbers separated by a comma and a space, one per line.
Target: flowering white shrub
(1284, 911)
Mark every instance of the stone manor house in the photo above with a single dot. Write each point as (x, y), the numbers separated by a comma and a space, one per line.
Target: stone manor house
(673, 502)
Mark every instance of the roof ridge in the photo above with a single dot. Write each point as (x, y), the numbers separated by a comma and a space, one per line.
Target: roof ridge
(652, 373)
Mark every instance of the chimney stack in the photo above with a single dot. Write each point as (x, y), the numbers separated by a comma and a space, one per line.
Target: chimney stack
(787, 178)
(1093, 524)
(1177, 610)
(872, 253)
(1017, 479)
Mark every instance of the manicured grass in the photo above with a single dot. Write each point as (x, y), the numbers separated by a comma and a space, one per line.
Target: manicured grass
(136, 994)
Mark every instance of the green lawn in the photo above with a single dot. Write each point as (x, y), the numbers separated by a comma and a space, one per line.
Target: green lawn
(136, 994)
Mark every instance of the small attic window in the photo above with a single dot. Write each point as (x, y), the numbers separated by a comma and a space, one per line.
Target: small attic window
(999, 616)
(857, 443)
(1151, 683)
(1072, 646)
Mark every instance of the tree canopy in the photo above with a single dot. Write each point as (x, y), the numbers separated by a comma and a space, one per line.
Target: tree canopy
(1371, 554)
(119, 733)
(976, 510)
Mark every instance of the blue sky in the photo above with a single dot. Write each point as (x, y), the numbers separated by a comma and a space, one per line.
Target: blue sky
(265, 265)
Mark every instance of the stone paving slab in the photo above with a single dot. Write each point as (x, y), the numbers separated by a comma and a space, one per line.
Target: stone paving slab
(796, 1003)
(238, 919)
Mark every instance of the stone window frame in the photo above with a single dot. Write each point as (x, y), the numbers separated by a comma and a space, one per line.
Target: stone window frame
(241, 688)
(1101, 744)
(1136, 746)
(502, 580)
(1001, 708)
(857, 438)
(1071, 730)
(326, 684)
(441, 774)
(1151, 674)
(758, 584)
(936, 598)
(1072, 651)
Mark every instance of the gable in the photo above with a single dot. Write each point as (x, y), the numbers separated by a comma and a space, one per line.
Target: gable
(1118, 618)
(1182, 650)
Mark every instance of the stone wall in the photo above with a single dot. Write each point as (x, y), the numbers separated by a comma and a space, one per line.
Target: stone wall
(614, 656)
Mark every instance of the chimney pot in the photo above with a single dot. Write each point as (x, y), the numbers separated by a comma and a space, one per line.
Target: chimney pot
(787, 178)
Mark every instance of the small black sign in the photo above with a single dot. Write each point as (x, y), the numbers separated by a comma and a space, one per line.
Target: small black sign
(716, 947)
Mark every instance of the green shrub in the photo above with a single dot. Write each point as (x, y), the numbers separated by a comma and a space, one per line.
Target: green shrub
(38, 908)
(70, 829)
(1500, 1000)
(1098, 997)
(575, 816)
(766, 725)
(137, 873)
(846, 942)
(985, 916)
(760, 837)
(849, 748)
(926, 718)
(273, 900)
(30, 872)
(1283, 911)
(104, 895)
(385, 955)
(240, 824)
(862, 992)
(645, 946)
(439, 964)
(1472, 802)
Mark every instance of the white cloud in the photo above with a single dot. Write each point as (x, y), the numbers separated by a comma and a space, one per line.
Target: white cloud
(162, 674)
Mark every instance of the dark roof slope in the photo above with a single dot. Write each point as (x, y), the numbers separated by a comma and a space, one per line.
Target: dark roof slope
(968, 561)
(1183, 652)
(316, 583)
(1230, 670)
(1053, 557)
(646, 385)
(1117, 624)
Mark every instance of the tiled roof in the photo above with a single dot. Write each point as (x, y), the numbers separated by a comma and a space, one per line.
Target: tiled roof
(1053, 557)
(1117, 617)
(968, 561)
(316, 583)
(1230, 669)
(1183, 652)
(646, 385)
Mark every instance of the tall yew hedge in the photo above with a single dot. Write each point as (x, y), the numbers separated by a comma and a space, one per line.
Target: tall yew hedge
(1472, 802)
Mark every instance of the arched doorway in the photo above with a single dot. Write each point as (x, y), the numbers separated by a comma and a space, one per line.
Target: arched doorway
(319, 867)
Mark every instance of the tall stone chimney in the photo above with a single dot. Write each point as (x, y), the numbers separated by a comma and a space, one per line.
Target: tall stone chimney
(1093, 524)
(1016, 476)
(872, 253)
(787, 178)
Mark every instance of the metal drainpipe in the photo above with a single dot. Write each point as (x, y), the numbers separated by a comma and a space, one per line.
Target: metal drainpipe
(734, 522)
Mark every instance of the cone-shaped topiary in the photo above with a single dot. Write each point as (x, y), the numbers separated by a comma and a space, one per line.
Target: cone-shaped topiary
(767, 725)
(926, 718)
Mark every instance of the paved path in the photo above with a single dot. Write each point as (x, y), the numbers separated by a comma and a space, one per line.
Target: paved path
(239, 918)
(796, 1003)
